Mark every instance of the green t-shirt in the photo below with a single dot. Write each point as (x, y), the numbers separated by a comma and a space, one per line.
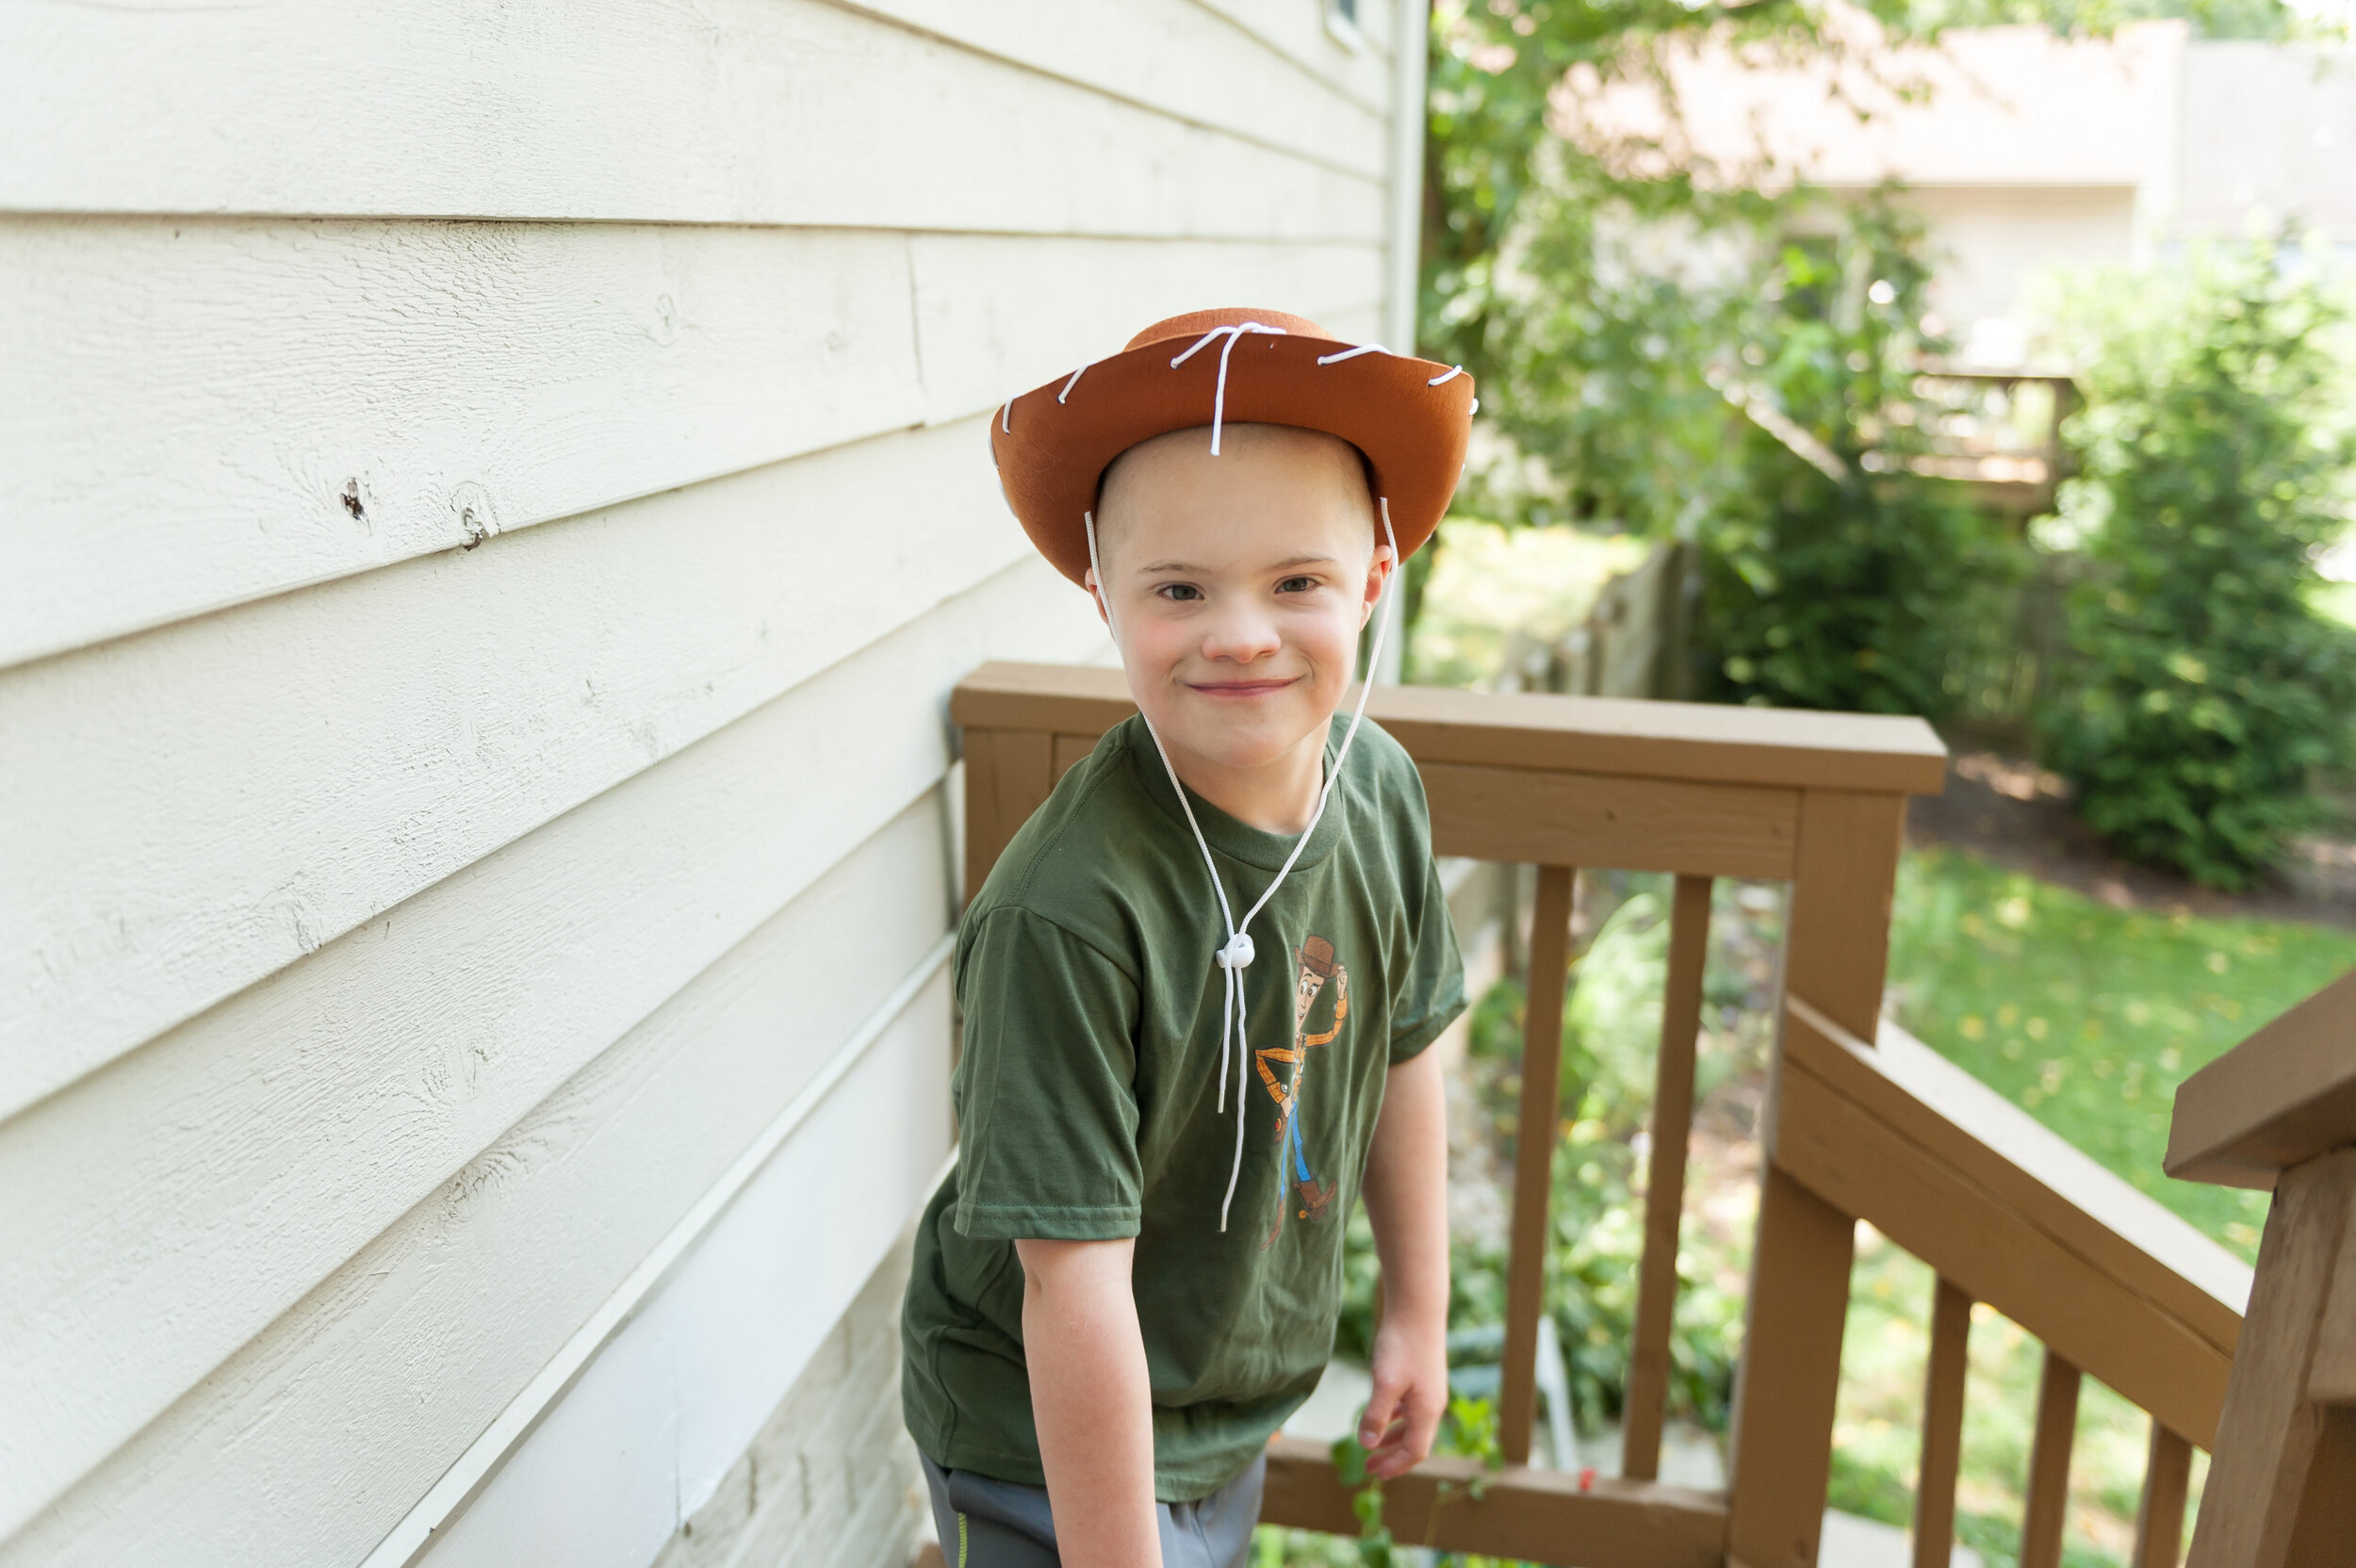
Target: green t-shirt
(1088, 1097)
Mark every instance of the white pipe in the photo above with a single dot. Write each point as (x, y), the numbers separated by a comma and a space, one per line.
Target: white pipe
(1411, 28)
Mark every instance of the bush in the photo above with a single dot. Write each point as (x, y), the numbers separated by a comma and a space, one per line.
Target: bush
(1871, 590)
(2202, 689)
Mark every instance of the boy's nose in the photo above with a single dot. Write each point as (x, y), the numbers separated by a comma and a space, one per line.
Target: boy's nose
(1241, 636)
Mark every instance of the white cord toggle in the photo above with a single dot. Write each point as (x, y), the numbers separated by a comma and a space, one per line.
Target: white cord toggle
(1218, 399)
(1237, 952)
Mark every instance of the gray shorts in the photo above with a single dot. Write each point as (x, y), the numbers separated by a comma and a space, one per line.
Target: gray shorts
(994, 1524)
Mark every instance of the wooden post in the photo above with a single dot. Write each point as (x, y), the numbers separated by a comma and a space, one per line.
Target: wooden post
(1533, 1158)
(1645, 1407)
(1942, 1427)
(2270, 1501)
(1007, 774)
(2048, 1508)
(2160, 1517)
(1836, 950)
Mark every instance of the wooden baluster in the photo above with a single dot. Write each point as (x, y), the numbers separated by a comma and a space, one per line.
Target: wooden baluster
(1533, 1158)
(2160, 1520)
(2048, 1464)
(1942, 1427)
(1664, 1187)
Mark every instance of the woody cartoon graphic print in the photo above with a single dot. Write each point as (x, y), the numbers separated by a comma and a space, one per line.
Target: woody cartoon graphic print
(1317, 969)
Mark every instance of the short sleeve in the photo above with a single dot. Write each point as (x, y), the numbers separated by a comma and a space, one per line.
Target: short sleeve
(1431, 994)
(1047, 1138)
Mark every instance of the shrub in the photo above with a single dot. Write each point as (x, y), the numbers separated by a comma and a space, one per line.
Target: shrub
(2214, 454)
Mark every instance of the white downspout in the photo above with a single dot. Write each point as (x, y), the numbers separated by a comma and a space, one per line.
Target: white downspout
(1411, 28)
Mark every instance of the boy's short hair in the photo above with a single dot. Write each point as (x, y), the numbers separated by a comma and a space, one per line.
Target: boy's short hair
(1107, 528)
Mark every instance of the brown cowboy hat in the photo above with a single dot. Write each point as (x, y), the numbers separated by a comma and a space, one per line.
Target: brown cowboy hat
(1212, 367)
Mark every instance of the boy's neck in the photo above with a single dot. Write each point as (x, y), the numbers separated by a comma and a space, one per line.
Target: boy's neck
(1277, 796)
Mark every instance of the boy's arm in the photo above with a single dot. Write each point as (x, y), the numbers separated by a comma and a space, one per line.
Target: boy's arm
(1406, 1194)
(1091, 1401)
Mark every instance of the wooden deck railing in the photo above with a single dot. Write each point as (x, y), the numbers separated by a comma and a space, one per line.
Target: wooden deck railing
(2279, 1111)
(1863, 1122)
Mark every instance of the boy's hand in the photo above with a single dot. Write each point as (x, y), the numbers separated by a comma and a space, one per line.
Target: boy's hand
(1410, 1393)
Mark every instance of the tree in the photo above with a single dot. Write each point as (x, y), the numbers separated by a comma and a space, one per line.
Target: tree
(1621, 296)
(2215, 460)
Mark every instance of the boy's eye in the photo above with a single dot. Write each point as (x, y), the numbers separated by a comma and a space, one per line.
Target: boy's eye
(1179, 592)
(1296, 585)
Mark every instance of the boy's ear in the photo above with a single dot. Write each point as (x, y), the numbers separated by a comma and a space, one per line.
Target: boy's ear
(1096, 597)
(1377, 572)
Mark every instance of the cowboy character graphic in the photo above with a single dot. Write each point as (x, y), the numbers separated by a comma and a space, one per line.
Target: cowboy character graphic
(1316, 968)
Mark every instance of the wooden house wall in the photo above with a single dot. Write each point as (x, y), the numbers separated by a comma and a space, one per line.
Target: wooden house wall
(492, 502)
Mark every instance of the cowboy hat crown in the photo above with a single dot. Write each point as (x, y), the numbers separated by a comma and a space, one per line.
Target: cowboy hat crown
(1410, 417)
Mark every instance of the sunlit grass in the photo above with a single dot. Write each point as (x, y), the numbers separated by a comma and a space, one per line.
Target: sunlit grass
(2088, 1017)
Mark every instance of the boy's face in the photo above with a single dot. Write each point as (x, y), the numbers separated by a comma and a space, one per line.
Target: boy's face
(1238, 585)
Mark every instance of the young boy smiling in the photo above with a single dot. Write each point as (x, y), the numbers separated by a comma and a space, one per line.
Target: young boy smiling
(1197, 985)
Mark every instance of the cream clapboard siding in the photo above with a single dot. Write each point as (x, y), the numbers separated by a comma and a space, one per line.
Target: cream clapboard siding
(491, 505)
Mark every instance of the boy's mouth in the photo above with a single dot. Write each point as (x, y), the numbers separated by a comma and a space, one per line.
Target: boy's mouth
(1242, 689)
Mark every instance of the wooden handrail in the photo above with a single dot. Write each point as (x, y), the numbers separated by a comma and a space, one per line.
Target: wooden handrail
(2278, 1099)
(1703, 743)
(2012, 1214)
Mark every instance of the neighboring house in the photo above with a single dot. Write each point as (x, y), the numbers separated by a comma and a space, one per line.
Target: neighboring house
(492, 502)
(2024, 152)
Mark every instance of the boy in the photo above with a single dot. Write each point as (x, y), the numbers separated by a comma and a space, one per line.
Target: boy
(1197, 985)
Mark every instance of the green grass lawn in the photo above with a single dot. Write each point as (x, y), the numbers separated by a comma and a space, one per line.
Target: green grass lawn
(2088, 1017)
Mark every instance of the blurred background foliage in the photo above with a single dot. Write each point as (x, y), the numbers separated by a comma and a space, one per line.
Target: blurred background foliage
(1669, 347)
(2215, 452)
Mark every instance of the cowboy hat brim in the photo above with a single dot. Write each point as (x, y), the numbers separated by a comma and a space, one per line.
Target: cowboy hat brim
(1409, 416)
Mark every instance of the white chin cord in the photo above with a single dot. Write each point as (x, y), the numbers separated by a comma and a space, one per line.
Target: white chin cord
(1235, 955)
